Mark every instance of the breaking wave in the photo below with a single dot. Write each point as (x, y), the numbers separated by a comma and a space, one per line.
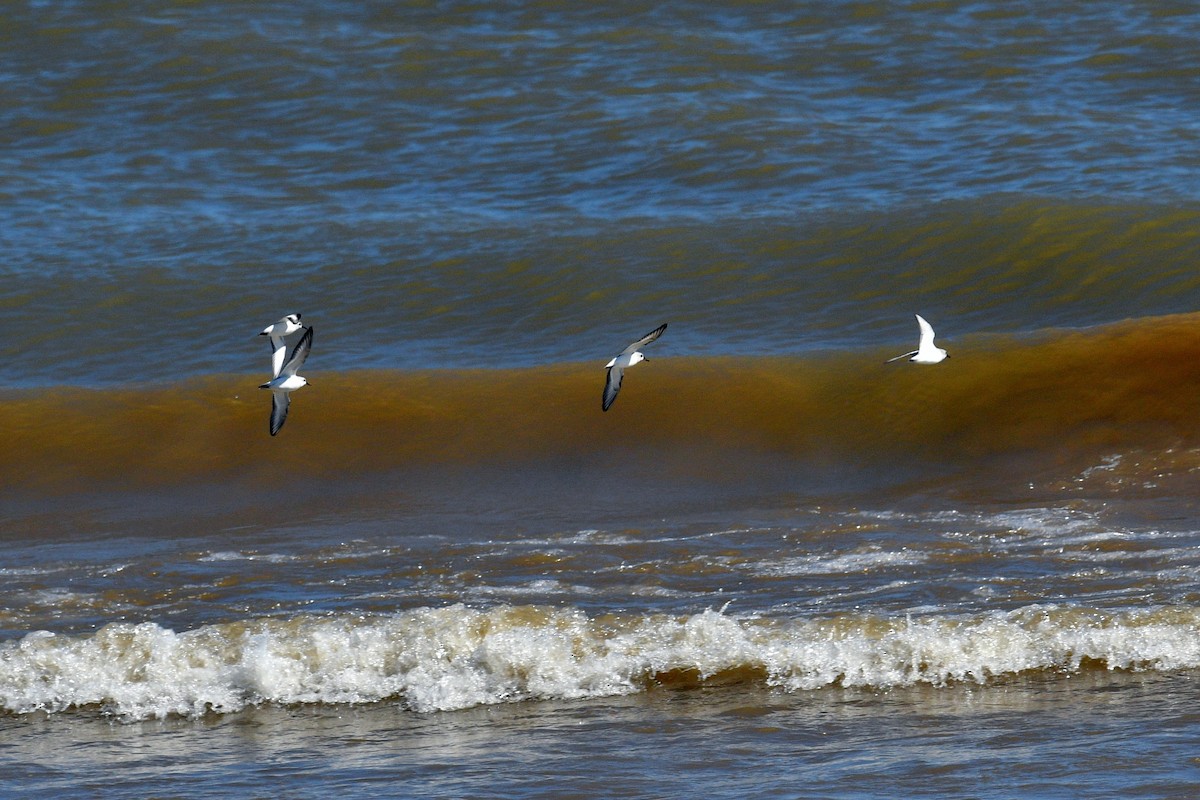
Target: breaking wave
(437, 659)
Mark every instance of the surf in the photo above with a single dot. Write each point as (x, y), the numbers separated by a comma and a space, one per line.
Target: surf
(454, 657)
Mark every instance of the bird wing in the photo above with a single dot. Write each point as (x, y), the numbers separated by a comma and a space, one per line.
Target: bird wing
(645, 340)
(278, 351)
(926, 333)
(909, 354)
(299, 353)
(612, 385)
(280, 400)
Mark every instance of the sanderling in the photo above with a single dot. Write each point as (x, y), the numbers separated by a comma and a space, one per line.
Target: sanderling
(287, 381)
(925, 353)
(284, 327)
(628, 357)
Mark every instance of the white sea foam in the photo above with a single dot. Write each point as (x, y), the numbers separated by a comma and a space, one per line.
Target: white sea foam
(542, 586)
(840, 563)
(60, 598)
(22, 572)
(231, 555)
(457, 657)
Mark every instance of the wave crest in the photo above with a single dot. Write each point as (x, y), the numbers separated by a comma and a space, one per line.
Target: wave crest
(455, 657)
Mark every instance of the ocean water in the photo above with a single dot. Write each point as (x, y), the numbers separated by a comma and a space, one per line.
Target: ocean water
(777, 567)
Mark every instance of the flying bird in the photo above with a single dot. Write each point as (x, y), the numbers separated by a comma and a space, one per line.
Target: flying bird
(284, 327)
(627, 358)
(287, 381)
(925, 353)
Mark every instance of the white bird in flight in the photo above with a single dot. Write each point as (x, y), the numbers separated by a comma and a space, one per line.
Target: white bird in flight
(287, 381)
(284, 327)
(925, 353)
(628, 357)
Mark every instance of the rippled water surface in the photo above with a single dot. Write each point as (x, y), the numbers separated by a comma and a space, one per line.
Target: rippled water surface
(794, 569)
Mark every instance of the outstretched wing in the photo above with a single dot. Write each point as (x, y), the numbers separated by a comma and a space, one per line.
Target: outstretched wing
(926, 333)
(645, 340)
(909, 354)
(299, 353)
(280, 400)
(278, 351)
(611, 386)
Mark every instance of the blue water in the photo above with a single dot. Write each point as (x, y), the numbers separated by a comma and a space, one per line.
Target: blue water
(465, 181)
(455, 185)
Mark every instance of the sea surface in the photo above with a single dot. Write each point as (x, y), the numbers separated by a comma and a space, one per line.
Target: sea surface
(778, 567)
